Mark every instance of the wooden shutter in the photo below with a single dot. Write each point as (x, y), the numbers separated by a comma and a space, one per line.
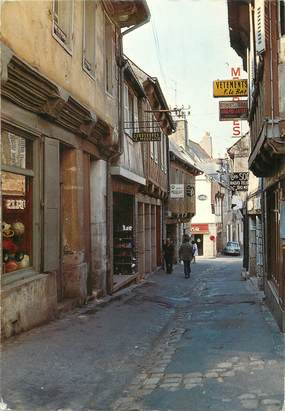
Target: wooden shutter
(89, 35)
(51, 205)
(136, 115)
(126, 108)
(259, 26)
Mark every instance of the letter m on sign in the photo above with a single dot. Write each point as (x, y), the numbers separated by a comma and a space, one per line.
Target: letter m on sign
(235, 72)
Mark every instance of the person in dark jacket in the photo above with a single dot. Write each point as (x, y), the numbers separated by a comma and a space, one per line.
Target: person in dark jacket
(186, 255)
(168, 254)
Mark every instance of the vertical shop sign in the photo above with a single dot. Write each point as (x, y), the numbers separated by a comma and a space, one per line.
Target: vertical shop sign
(236, 133)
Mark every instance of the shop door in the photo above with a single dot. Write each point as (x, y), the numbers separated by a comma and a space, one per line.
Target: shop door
(60, 280)
(87, 217)
(198, 238)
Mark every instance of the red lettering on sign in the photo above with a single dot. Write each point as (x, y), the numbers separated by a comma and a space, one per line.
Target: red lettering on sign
(235, 72)
(236, 131)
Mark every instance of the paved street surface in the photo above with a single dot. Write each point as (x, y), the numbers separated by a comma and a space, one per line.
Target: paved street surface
(170, 344)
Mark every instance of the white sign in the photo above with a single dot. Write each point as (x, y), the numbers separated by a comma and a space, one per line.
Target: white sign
(176, 190)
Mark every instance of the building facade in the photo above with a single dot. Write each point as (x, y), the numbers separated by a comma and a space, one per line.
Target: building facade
(140, 179)
(181, 204)
(257, 33)
(60, 129)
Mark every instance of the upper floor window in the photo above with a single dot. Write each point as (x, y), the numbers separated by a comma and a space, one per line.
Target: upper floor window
(282, 17)
(63, 21)
(89, 35)
(131, 112)
(109, 51)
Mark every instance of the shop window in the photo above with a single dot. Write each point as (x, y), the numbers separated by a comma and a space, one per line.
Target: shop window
(17, 185)
(62, 21)
(109, 33)
(89, 37)
(124, 234)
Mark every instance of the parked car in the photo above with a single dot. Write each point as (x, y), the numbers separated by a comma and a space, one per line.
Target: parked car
(232, 248)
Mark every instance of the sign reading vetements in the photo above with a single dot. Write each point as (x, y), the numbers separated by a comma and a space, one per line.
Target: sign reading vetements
(230, 88)
(145, 136)
(239, 181)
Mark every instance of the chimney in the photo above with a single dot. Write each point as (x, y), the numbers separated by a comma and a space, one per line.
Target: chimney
(206, 144)
(180, 137)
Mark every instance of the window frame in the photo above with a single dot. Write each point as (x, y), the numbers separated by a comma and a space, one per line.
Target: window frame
(34, 174)
(111, 24)
(68, 46)
(92, 71)
(281, 20)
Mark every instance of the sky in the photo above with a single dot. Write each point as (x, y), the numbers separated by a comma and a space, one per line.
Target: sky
(186, 46)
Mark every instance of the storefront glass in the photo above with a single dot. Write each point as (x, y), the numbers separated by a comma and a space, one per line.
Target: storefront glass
(124, 238)
(17, 178)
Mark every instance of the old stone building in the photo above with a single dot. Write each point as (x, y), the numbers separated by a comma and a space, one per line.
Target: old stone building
(61, 91)
(181, 204)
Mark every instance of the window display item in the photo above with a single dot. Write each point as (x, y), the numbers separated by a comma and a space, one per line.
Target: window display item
(25, 262)
(7, 230)
(18, 228)
(11, 265)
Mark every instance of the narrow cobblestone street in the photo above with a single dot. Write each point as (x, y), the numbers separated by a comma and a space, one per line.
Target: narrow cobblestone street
(208, 343)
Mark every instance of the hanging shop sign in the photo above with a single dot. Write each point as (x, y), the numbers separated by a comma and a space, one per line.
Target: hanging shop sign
(230, 88)
(145, 136)
(199, 228)
(233, 110)
(239, 181)
(176, 190)
(190, 190)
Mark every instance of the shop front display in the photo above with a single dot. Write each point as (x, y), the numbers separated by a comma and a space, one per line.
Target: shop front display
(17, 179)
(124, 238)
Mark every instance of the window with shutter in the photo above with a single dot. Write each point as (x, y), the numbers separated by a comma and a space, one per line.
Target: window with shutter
(131, 114)
(89, 36)
(109, 51)
(63, 21)
(126, 108)
(259, 26)
(136, 115)
(282, 17)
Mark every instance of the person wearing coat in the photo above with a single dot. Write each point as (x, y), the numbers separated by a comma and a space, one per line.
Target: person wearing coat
(186, 255)
(168, 254)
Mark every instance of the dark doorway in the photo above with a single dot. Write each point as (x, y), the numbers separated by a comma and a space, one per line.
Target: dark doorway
(198, 238)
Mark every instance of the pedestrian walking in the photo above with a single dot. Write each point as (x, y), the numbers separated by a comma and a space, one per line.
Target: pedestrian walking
(168, 254)
(195, 251)
(186, 255)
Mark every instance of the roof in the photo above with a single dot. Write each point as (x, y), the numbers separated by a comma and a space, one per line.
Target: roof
(128, 13)
(182, 156)
(145, 77)
(132, 78)
(197, 150)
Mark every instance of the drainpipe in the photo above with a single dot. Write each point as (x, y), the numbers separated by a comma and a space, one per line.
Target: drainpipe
(109, 191)
(271, 70)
